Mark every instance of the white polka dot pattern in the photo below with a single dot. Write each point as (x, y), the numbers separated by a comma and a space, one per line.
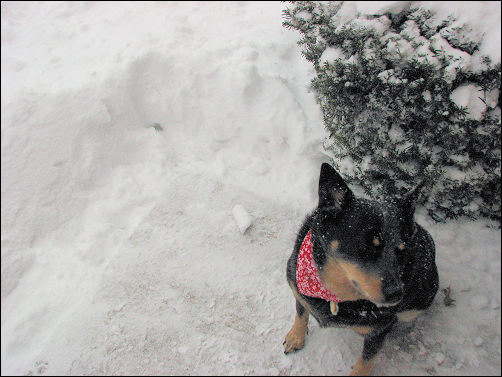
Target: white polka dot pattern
(307, 276)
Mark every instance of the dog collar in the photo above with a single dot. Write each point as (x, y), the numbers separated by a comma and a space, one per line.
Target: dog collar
(307, 275)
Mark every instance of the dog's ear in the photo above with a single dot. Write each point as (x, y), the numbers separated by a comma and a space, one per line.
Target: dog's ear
(407, 206)
(333, 191)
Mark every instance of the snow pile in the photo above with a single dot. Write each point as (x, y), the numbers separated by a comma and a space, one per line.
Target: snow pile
(242, 218)
(129, 133)
(224, 106)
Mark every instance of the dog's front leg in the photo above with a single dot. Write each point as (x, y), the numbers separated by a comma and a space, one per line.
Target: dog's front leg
(295, 339)
(373, 342)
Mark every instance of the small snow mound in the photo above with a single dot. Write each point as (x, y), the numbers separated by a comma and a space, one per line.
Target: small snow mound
(242, 218)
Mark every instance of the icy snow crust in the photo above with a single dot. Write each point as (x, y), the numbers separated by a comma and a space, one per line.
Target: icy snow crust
(129, 132)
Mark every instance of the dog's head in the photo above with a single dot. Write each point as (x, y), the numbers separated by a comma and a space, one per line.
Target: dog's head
(367, 239)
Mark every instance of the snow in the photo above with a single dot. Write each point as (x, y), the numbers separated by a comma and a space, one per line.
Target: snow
(304, 15)
(480, 302)
(389, 76)
(470, 96)
(242, 218)
(378, 26)
(129, 133)
(380, 7)
(396, 134)
(484, 21)
(457, 59)
(330, 54)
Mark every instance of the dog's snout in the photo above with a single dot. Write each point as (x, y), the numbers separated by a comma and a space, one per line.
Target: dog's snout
(393, 295)
(392, 291)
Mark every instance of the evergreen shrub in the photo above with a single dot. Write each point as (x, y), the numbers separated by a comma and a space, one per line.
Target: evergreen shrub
(406, 98)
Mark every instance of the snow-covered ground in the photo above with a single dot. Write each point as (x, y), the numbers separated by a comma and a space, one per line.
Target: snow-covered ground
(130, 131)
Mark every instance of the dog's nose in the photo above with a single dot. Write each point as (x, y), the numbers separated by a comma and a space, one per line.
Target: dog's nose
(393, 295)
(392, 292)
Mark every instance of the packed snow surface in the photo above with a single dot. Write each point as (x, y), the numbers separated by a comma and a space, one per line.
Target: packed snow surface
(129, 133)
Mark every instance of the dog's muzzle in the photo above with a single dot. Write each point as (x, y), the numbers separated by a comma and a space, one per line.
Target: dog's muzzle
(392, 290)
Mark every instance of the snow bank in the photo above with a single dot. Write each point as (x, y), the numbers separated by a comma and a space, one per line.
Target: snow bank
(88, 104)
(101, 103)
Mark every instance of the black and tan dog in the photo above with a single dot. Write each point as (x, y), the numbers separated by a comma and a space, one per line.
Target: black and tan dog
(375, 264)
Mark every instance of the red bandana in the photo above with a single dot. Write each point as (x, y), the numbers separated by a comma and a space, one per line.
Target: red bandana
(307, 276)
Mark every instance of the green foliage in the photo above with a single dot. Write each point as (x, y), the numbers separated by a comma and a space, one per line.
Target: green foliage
(386, 85)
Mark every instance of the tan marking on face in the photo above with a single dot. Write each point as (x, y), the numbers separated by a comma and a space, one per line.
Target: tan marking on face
(401, 246)
(369, 285)
(376, 242)
(408, 315)
(335, 280)
(363, 367)
(334, 245)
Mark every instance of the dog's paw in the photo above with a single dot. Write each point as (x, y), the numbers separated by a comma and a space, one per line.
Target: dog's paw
(294, 340)
(362, 367)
